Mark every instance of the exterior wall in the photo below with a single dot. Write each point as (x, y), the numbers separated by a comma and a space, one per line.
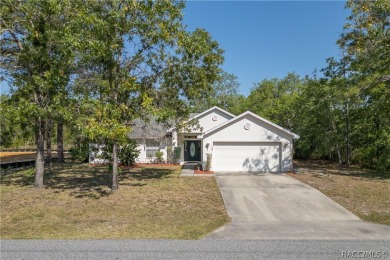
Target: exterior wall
(141, 146)
(180, 143)
(142, 158)
(96, 150)
(207, 122)
(259, 132)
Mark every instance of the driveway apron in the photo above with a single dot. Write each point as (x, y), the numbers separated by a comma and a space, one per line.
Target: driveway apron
(277, 206)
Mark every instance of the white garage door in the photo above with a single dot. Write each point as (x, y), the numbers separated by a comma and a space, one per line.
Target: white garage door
(253, 157)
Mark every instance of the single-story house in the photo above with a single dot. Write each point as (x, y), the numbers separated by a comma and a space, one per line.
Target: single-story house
(246, 142)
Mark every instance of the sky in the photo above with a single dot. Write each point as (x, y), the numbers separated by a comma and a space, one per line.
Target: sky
(266, 39)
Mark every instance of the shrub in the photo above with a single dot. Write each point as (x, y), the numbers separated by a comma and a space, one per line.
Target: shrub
(169, 154)
(176, 154)
(208, 162)
(159, 156)
(80, 152)
(128, 153)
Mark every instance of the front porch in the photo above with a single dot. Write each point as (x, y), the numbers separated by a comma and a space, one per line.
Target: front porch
(190, 147)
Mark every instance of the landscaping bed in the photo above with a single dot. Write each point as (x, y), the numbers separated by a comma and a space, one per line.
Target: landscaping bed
(204, 172)
(366, 193)
(76, 203)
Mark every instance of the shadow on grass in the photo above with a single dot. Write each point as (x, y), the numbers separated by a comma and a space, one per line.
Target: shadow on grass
(363, 174)
(343, 170)
(83, 181)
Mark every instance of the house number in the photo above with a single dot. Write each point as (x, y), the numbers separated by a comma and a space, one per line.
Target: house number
(192, 149)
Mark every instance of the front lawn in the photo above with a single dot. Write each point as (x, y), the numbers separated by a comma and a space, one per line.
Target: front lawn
(152, 202)
(365, 193)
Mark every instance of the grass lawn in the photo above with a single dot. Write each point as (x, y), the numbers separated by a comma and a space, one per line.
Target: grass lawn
(152, 202)
(365, 193)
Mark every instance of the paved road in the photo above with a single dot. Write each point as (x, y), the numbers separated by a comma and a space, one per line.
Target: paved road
(277, 206)
(201, 249)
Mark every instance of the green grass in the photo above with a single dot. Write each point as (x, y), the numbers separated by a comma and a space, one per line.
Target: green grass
(152, 202)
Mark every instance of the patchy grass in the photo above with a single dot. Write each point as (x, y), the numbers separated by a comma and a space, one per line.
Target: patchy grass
(365, 193)
(152, 202)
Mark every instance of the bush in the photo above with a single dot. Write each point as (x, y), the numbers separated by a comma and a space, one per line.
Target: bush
(128, 153)
(159, 156)
(208, 162)
(375, 155)
(80, 152)
(169, 154)
(176, 154)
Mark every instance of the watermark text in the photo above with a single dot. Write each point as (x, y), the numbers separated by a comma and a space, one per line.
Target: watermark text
(365, 254)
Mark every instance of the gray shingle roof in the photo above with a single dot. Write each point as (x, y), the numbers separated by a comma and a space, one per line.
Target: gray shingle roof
(148, 129)
(193, 114)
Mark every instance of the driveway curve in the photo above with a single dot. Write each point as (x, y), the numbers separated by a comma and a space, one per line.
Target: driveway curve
(277, 206)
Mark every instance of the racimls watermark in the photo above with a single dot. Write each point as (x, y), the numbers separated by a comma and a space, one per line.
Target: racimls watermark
(365, 254)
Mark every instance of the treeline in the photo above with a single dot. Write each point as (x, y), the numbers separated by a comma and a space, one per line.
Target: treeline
(342, 115)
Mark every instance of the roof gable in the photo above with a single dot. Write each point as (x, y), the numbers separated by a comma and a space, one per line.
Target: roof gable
(200, 115)
(219, 112)
(237, 118)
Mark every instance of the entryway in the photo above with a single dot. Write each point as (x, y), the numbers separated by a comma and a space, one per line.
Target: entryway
(192, 150)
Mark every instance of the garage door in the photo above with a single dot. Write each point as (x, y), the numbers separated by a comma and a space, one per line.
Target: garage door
(252, 157)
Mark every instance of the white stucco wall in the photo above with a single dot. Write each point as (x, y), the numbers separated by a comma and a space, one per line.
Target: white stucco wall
(206, 122)
(141, 146)
(259, 132)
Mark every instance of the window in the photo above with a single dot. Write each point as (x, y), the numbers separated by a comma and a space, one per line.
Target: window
(152, 146)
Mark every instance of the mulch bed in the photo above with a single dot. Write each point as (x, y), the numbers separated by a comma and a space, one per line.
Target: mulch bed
(203, 172)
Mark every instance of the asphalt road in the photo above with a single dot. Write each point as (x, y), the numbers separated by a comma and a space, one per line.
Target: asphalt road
(200, 249)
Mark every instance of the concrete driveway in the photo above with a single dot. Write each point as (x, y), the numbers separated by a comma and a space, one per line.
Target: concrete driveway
(277, 206)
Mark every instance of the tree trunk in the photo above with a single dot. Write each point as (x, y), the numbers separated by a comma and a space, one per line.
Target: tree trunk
(40, 160)
(348, 126)
(60, 142)
(337, 145)
(114, 168)
(49, 126)
(339, 154)
(115, 185)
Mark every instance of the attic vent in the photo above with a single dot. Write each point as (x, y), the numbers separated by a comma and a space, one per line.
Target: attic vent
(215, 118)
(247, 126)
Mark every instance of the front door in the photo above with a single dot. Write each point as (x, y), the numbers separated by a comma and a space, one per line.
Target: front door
(192, 151)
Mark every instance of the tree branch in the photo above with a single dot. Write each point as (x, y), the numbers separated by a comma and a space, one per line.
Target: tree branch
(12, 34)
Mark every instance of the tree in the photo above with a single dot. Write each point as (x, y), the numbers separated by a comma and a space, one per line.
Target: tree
(365, 40)
(365, 43)
(37, 47)
(224, 94)
(274, 99)
(319, 121)
(140, 63)
(15, 131)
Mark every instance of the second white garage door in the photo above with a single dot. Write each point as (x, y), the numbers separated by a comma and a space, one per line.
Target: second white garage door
(253, 157)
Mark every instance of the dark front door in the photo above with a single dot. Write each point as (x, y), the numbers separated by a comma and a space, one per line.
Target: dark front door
(192, 151)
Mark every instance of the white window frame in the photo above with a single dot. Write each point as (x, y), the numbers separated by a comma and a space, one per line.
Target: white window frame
(152, 146)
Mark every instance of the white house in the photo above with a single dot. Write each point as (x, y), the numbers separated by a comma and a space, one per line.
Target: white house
(246, 142)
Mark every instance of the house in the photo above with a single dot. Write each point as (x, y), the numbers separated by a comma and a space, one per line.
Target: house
(150, 136)
(246, 142)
